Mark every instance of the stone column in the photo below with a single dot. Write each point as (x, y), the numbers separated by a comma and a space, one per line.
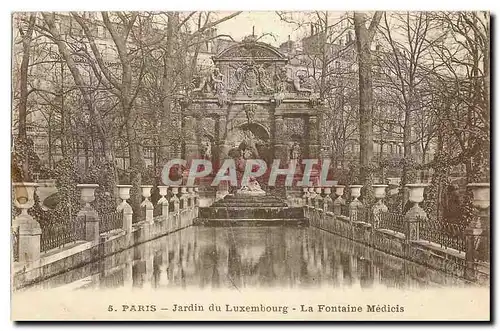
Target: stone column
(355, 204)
(190, 145)
(280, 148)
(88, 214)
(477, 248)
(146, 194)
(25, 225)
(220, 141)
(339, 201)
(314, 145)
(379, 207)
(416, 214)
(163, 201)
(124, 194)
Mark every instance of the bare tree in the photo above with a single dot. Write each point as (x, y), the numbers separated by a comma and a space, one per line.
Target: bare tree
(364, 39)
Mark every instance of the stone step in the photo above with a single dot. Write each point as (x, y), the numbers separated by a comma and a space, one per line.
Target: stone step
(251, 222)
(247, 213)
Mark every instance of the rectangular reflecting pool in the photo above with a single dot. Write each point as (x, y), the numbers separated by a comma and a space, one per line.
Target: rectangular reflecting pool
(250, 257)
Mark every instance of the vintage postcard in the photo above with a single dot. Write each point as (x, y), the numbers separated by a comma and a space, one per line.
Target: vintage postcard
(250, 166)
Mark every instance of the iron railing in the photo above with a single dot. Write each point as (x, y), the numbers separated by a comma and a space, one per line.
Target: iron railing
(56, 234)
(445, 234)
(110, 222)
(392, 221)
(15, 243)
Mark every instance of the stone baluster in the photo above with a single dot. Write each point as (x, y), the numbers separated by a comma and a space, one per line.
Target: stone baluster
(355, 204)
(124, 194)
(415, 214)
(88, 214)
(379, 206)
(339, 201)
(163, 201)
(146, 194)
(25, 225)
(476, 232)
(327, 200)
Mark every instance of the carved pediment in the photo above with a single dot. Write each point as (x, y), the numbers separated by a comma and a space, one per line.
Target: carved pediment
(250, 49)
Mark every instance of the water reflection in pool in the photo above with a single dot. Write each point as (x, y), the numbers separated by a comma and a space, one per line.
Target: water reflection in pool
(250, 257)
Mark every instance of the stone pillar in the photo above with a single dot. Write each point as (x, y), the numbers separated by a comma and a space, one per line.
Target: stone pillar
(220, 141)
(477, 248)
(190, 145)
(190, 201)
(339, 201)
(163, 201)
(124, 194)
(379, 207)
(355, 204)
(88, 214)
(25, 225)
(175, 200)
(416, 214)
(312, 196)
(313, 139)
(280, 148)
(196, 201)
(327, 201)
(146, 194)
(305, 196)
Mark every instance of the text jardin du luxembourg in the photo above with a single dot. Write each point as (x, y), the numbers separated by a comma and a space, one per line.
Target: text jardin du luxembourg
(261, 308)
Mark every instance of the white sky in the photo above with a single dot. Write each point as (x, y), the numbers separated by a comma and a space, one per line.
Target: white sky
(264, 22)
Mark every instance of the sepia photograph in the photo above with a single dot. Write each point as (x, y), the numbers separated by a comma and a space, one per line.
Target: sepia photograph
(251, 165)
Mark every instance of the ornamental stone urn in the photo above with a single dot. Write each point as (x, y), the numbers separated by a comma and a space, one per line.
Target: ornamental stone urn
(339, 190)
(87, 193)
(416, 192)
(24, 196)
(146, 194)
(355, 191)
(379, 207)
(25, 225)
(481, 193)
(481, 201)
(124, 191)
(339, 201)
(163, 191)
(87, 214)
(124, 194)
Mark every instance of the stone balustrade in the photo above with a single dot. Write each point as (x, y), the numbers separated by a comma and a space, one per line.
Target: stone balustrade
(407, 234)
(27, 230)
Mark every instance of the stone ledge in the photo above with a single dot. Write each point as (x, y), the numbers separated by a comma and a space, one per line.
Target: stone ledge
(80, 254)
(438, 249)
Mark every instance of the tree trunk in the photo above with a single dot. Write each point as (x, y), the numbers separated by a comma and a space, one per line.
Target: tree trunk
(23, 101)
(364, 37)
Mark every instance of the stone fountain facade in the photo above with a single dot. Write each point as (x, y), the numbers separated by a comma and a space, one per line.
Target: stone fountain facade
(251, 105)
